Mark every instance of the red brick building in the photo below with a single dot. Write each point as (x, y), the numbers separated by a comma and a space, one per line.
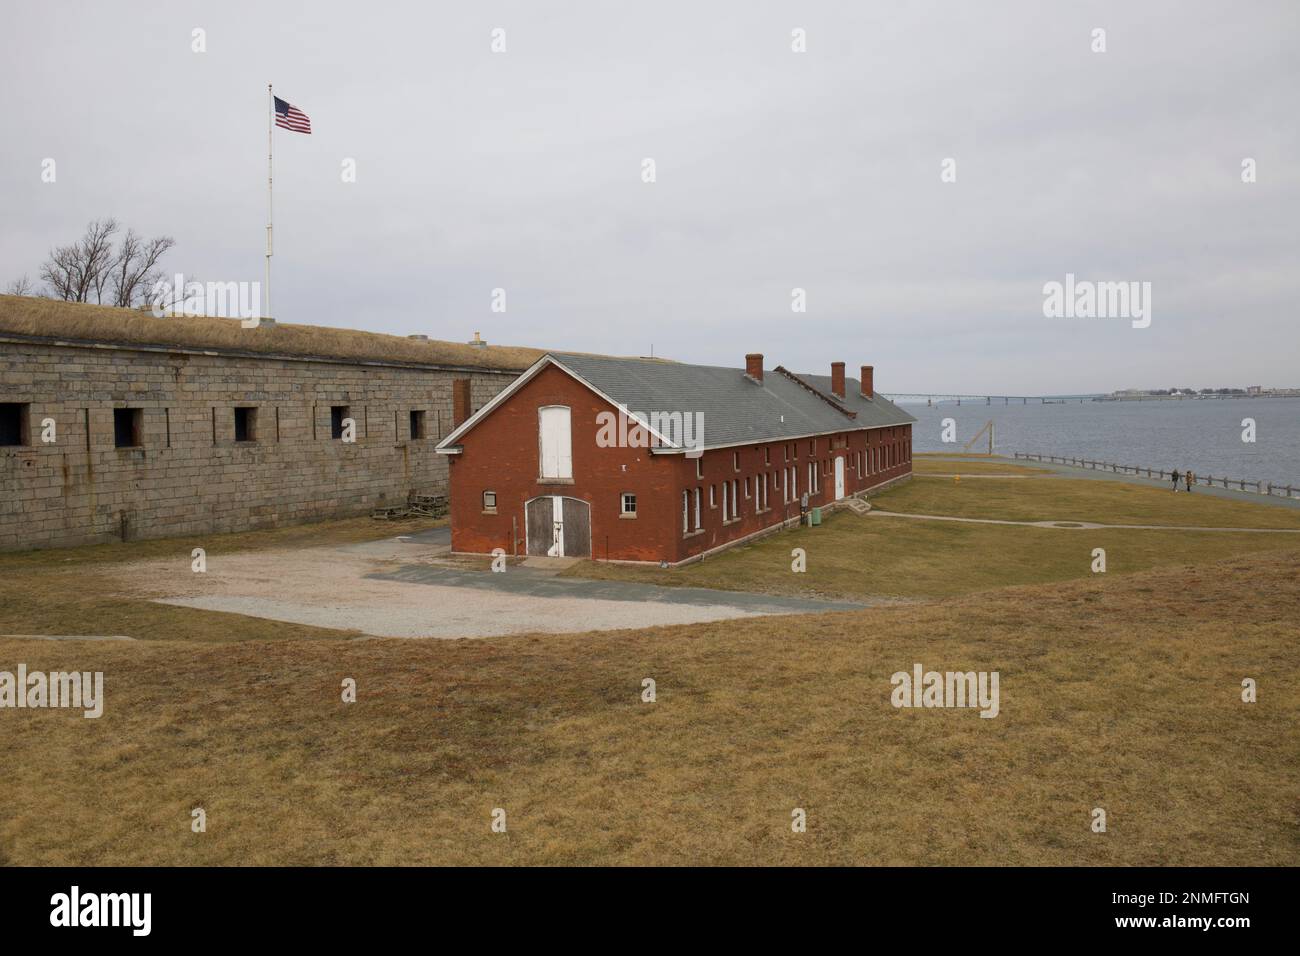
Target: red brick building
(646, 460)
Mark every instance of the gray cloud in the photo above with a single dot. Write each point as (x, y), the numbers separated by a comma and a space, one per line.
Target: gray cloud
(775, 170)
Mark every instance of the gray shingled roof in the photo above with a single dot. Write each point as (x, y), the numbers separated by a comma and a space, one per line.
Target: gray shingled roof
(736, 409)
(874, 412)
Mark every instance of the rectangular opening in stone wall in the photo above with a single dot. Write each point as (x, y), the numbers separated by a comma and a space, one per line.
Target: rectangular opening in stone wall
(167, 422)
(337, 414)
(14, 423)
(128, 427)
(417, 424)
(245, 423)
(277, 423)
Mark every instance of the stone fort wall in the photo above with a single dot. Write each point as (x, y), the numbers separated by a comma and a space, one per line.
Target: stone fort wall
(184, 470)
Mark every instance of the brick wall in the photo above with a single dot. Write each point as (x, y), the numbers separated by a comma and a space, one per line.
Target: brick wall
(190, 475)
(501, 456)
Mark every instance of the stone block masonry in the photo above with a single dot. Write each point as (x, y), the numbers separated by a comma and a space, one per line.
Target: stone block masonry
(151, 442)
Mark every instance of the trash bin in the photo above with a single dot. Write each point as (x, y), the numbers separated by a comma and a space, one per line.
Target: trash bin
(817, 516)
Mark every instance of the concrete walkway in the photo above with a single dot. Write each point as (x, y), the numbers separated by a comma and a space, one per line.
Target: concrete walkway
(400, 587)
(1087, 525)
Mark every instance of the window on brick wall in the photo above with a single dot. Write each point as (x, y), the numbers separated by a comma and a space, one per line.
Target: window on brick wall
(337, 414)
(767, 456)
(699, 467)
(627, 503)
(14, 423)
(490, 501)
(245, 424)
(128, 427)
(417, 424)
(735, 461)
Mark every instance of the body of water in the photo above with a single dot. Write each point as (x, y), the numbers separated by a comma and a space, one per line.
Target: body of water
(1204, 435)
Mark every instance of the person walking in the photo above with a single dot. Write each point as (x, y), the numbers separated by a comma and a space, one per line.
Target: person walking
(1190, 479)
(1176, 477)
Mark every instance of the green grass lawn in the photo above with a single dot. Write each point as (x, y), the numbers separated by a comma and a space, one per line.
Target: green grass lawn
(939, 464)
(861, 557)
(1079, 499)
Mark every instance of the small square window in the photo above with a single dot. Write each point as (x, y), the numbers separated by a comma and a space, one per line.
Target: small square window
(128, 427)
(245, 424)
(14, 423)
(489, 501)
(337, 415)
(628, 504)
(417, 424)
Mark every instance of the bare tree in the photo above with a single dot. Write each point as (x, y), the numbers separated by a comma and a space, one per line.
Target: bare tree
(95, 269)
(135, 270)
(21, 286)
(78, 271)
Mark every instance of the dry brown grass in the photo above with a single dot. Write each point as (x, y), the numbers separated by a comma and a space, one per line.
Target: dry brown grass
(1122, 692)
(48, 318)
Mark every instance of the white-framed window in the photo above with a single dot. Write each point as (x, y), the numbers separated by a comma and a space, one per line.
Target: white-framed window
(747, 487)
(555, 441)
(627, 503)
(735, 498)
(686, 512)
(489, 501)
(698, 496)
(767, 455)
(735, 461)
(725, 512)
(713, 496)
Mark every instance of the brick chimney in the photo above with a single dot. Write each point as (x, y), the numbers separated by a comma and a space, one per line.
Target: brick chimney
(868, 386)
(754, 366)
(837, 379)
(459, 401)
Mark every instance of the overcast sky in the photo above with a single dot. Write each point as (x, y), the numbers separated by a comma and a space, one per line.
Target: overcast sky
(775, 170)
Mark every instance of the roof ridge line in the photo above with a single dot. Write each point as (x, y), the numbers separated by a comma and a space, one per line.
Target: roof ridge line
(848, 413)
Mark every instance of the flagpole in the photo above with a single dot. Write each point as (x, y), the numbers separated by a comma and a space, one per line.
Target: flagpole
(270, 169)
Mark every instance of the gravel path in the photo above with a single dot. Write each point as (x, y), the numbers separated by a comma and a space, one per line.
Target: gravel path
(397, 588)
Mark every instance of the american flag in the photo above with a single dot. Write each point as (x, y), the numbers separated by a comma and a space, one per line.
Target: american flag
(290, 117)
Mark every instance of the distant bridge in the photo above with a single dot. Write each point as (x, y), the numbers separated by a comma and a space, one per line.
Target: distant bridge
(939, 398)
